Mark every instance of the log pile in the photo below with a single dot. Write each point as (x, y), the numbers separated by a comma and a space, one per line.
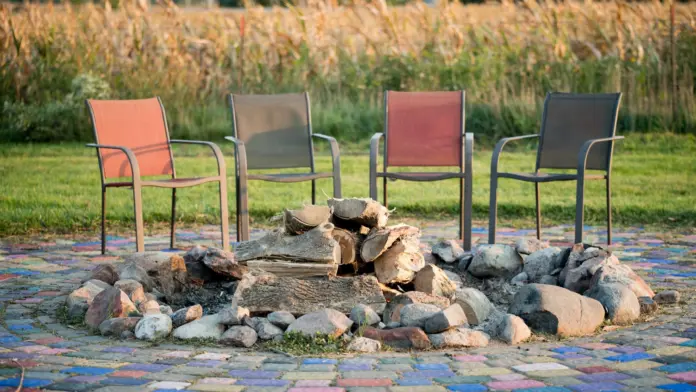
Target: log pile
(345, 238)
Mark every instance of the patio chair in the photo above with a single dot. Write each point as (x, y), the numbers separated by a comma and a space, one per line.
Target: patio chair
(426, 129)
(132, 140)
(577, 132)
(275, 132)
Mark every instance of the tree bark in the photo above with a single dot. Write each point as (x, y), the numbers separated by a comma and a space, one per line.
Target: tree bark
(293, 270)
(305, 219)
(366, 212)
(399, 263)
(314, 246)
(269, 293)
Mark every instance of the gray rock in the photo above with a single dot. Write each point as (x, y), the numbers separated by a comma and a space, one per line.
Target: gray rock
(381, 325)
(325, 321)
(392, 325)
(495, 260)
(548, 279)
(195, 254)
(620, 304)
(233, 315)
(206, 327)
(667, 297)
(136, 272)
(647, 305)
(455, 279)
(127, 335)
(153, 327)
(432, 280)
(475, 304)
(224, 263)
(364, 315)
(266, 330)
(392, 312)
(464, 262)
(281, 319)
(582, 265)
(167, 271)
(364, 345)
(446, 319)
(166, 309)
(520, 279)
(133, 289)
(448, 251)
(116, 326)
(79, 300)
(239, 336)
(527, 246)
(459, 337)
(186, 315)
(622, 274)
(98, 283)
(543, 262)
(513, 330)
(415, 315)
(556, 310)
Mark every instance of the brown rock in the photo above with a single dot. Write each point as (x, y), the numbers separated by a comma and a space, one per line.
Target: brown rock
(406, 337)
(133, 289)
(557, 310)
(622, 274)
(186, 315)
(392, 313)
(647, 305)
(106, 273)
(149, 307)
(432, 280)
(460, 337)
(513, 330)
(110, 303)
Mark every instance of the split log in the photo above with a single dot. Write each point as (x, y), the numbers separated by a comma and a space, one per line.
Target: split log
(314, 246)
(269, 293)
(379, 240)
(293, 270)
(366, 212)
(305, 219)
(351, 226)
(399, 263)
(349, 245)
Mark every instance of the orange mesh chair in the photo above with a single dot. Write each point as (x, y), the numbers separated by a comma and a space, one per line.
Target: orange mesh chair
(132, 140)
(426, 129)
(275, 132)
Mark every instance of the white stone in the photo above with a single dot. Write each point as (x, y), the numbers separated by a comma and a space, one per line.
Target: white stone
(205, 327)
(153, 327)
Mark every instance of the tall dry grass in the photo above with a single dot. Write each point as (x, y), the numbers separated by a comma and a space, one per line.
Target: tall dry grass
(506, 56)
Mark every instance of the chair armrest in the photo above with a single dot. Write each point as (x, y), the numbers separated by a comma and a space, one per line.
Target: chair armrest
(135, 169)
(240, 156)
(374, 149)
(335, 152)
(585, 151)
(499, 149)
(222, 165)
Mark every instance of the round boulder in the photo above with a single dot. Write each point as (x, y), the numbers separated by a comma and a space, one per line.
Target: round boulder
(620, 304)
(153, 327)
(325, 321)
(495, 260)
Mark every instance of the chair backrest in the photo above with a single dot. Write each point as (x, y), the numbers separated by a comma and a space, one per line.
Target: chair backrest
(138, 124)
(569, 120)
(276, 130)
(424, 128)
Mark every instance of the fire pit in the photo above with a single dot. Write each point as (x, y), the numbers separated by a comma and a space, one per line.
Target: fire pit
(340, 270)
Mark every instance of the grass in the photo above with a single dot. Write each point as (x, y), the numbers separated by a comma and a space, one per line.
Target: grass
(295, 343)
(55, 189)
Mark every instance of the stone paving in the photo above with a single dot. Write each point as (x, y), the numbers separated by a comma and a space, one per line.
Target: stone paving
(658, 355)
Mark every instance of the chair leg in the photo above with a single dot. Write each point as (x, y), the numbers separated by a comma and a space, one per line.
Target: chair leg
(467, 205)
(138, 207)
(172, 236)
(493, 208)
(608, 210)
(237, 208)
(103, 221)
(384, 188)
(224, 214)
(579, 209)
(538, 211)
(314, 192)
(243, 207)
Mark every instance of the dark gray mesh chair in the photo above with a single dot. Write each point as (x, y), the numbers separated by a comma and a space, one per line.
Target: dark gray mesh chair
(275, 132)
(577, 132)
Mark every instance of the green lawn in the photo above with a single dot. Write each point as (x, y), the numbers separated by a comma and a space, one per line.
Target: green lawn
(55, 189)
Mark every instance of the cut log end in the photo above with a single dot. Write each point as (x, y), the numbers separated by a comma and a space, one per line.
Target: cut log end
(305, 219)
(365, 212)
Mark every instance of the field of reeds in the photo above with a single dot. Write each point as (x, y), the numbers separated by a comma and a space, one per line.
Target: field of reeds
(506, 57)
